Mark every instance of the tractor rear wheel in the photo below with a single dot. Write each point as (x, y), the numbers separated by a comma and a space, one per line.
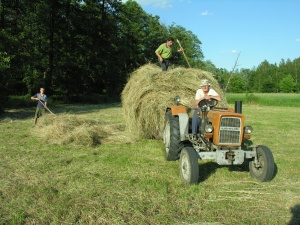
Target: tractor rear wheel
(265, 169)
(189, 167)
(172, 142)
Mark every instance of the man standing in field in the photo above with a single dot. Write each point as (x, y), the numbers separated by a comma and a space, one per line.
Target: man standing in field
(164, 53)
(41, 105)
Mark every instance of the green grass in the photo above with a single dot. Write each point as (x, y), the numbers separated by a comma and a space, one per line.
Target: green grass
(132, 183)
(272, 99)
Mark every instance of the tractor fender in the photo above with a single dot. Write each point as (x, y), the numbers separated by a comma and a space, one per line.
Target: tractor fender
(178, 109)
(183, 125)
(181, 112)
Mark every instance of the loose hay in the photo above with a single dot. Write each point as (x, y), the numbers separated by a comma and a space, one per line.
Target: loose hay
(149, 91)
(70, 129)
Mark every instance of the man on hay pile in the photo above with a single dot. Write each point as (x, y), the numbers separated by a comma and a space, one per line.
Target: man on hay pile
(164, 53)
(41, 105)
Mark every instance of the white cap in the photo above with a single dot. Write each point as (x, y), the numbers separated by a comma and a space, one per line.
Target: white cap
(204, 82)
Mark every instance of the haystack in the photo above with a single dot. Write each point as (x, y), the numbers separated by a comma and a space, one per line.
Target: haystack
(149, 91)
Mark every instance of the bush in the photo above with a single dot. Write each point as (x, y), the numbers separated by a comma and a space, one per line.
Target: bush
(85, 99)
(20, 101)
(251, 98)
(3, 98)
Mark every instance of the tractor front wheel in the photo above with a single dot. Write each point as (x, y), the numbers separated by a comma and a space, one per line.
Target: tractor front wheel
(172, 142)
(189, 167)
(263, 170)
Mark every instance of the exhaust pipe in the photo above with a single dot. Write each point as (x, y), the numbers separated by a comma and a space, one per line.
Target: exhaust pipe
(238, 107)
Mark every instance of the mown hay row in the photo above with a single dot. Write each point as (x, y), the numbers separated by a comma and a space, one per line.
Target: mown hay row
(70, 129)
(149, 91)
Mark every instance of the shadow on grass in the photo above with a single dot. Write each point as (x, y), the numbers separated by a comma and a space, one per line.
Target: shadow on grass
(295, 220)
(83, 108)
(275, 171)
(209, 168)
(18, 114)
(206, 170)
(28, 113)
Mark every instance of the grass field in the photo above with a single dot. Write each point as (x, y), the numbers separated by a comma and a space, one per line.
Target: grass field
(125, 182)
(270, 99)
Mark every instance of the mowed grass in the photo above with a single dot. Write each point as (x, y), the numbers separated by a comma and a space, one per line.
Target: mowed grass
(125, 182)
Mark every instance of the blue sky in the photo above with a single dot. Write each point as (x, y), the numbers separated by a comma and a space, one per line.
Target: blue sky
(258, 30)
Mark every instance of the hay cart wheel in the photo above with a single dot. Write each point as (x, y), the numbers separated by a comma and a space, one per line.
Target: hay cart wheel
(172, 141)
(188, 163)
(265, 170)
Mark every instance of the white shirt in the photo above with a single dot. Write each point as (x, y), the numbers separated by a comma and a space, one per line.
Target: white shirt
(200, 93)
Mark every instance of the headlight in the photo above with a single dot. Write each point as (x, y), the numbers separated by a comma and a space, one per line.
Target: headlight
(208, 128)
(177, 99)
(248, 130)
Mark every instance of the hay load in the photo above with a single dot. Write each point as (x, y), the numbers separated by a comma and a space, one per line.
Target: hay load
(149, 91)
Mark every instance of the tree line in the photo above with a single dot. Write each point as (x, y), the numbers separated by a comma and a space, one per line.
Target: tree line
(265, 78)
(80, 48)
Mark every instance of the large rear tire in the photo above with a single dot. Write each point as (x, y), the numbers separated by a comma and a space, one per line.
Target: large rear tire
(265, 170)
(172, 142)
(189, 167)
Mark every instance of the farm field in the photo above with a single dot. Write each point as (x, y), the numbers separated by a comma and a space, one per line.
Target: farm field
(121, 181)
(266, 99)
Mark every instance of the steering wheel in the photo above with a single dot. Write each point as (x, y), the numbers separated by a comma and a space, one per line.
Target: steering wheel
(211, 103)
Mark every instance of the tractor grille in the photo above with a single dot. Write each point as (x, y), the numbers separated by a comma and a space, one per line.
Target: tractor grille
(230, 130)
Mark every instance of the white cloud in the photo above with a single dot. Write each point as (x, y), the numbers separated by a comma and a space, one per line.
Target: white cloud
(155, 3)
(163, 5)
(298, 39)
(147, 2)
(205, 13)
(233, 51)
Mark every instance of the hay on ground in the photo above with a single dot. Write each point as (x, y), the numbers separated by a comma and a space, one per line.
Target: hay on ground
(149, 91)
(70, 129)
(78, 130)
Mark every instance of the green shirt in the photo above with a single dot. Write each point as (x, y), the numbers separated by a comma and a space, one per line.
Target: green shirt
(164, 51)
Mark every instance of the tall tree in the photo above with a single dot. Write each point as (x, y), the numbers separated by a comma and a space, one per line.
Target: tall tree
(4, 66)
(287, 84)
(237, 84)
(190, 43)
(141, 35)
(296, 63)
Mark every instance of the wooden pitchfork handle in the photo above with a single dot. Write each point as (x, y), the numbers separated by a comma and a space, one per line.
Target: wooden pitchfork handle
(184, 53)
(46, 107)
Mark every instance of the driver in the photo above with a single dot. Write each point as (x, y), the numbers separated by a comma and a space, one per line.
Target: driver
(204, 92)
